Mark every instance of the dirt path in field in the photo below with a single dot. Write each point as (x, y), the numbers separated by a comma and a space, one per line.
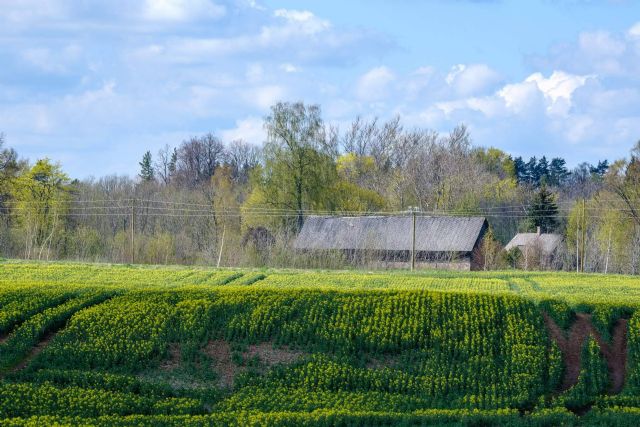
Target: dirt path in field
(35, 351)
(47, 337)
(570, 345)
(616, 355)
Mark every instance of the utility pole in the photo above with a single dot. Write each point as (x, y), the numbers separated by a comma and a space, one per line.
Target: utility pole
(413, 238)
(221, 246)
(606, 265)
(577, 246)
(133, 231)
(584, 234)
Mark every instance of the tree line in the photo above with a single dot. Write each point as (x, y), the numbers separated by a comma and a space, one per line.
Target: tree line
(211, 201)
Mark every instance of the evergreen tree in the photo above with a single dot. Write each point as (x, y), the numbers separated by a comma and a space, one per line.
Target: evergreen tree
(600, 169)
(542, 171)
(146, 167)
(520, 169)
(557, 171)
(531, 168)
(543, 211)
(173, 163)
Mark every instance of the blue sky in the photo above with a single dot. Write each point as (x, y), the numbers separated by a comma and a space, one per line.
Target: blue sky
(94, 84)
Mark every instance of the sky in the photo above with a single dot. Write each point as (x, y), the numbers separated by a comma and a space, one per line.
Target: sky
(94, 84)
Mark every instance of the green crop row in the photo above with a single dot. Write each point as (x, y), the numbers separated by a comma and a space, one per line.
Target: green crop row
(135, 345)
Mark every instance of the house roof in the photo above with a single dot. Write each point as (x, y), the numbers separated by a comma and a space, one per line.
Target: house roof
(433, 234)
(547, 241)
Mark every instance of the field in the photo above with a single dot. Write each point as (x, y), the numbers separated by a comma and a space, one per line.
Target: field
(90, 344)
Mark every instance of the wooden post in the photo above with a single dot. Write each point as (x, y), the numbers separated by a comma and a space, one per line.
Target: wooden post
(221, 246)
(577, 246)
(133, 231)
(606, 264)
(584, 235)
(413, 239)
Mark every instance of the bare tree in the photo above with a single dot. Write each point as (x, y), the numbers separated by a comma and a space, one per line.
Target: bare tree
(242, 157)
(198, 159)
(623, 179)
(162, 165)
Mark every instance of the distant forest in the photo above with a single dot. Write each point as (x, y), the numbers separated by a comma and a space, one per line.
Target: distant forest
(208, 201)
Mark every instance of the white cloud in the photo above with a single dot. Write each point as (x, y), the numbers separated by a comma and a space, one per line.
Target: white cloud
(255, 73)
(536, 93)
(303, 20)
(557, 90)
(24, 11)
(91, 98)
(290, 68)
(255, 5)
(264, 97)
(471, 79)
(578, 128)
(559, 85)
(634, 31)
(181, 10)
(286, 36)
(374, 84)
(600, 43)
(51, 61)
(249, 129)
(176, 80)
(522, 97)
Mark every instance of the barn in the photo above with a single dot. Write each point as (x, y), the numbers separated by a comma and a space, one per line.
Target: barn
(441, 242)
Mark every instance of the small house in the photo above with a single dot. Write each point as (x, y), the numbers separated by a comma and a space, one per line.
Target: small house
(538, 249)
(442, 242)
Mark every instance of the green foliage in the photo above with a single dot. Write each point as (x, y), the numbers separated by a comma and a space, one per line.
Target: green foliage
(24, 337)
(135, 347)
(42, 196)
(512, 257)
(543, 211)
(146, 167)
(299, 164)
(593, 379)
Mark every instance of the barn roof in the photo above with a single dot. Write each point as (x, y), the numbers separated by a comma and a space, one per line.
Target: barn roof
(433, 234)
(546, 241)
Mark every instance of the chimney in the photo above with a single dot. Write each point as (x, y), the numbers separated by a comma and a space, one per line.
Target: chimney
(538, 231)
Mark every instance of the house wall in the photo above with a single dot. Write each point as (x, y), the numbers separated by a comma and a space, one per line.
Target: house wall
(476, 257)
(424, 260)
(458, 265)
(459, 261)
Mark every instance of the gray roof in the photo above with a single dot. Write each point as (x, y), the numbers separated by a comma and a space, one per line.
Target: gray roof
(435, 234)
(548, 242)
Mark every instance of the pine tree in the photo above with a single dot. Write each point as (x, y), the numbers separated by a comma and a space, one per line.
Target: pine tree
(173, 163)
(543, 211)
(557, 171)
(600, 169)
(542, 171)
(531, 168)
(520, 169)
(146, 167)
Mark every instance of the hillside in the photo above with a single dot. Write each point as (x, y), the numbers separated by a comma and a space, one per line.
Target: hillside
(130, 345)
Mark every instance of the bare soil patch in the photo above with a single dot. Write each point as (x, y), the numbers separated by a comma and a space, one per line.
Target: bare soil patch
(174, 360)
(382, 362)
(3, 338)
(270, 356)
(220, 353)
(616, 355)
(571, 343)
